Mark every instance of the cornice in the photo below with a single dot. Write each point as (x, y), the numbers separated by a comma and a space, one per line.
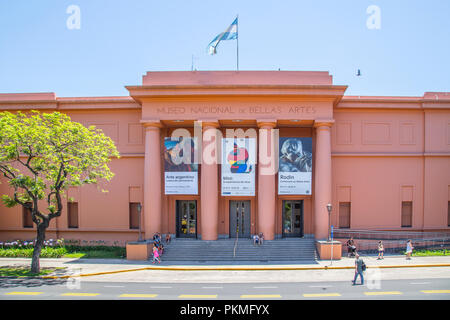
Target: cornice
(266, 123)
(152, 124)
(323, 123)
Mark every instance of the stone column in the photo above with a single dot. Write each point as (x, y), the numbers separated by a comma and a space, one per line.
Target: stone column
(152, 179)
(322, 190)
(209, 182)
(267, 169)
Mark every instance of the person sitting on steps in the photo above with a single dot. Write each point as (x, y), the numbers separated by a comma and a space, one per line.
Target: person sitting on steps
(261, 238)
(255, 239)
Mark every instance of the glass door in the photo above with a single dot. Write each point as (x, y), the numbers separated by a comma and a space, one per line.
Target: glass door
(240, 219)
(186, 218)
(293, 218)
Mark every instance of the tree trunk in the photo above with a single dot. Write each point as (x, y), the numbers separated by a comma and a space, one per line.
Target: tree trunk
(35, 266)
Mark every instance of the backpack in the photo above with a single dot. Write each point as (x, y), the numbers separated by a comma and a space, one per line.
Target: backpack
(363, 266)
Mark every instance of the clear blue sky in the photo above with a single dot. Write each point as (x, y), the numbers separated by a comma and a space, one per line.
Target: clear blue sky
(119, 41)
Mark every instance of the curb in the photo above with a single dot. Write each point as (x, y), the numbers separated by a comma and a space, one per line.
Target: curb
(221, 268)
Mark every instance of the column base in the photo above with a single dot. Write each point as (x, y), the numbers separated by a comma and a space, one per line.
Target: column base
(139, 250)
(325, 247)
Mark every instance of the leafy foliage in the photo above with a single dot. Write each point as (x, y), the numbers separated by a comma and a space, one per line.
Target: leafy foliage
(42, 155)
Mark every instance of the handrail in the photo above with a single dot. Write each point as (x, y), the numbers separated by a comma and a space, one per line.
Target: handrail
(372, 244)
(236, 242)
(390, 235)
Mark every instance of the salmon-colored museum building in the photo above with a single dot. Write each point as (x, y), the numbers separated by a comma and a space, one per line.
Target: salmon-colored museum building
(272, 148)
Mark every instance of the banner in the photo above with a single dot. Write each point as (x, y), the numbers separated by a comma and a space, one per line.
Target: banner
(238, 166)
(180, 171)
(295, 166)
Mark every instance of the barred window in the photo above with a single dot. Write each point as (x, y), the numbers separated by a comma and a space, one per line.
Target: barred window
(344, 214)
(406, 214)
(27, 220)
(72, 209)
(134, 215)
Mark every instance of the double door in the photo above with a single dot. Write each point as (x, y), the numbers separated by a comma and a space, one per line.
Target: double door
(186, 218)
(240, 219)
(293, 218)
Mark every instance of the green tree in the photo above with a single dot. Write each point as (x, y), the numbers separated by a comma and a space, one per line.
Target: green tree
(43, 154)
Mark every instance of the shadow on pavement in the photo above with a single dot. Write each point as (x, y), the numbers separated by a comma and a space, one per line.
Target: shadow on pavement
(190, 263)
(29, 282)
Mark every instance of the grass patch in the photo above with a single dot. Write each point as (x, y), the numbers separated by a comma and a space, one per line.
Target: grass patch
(22, 272)
(430, 253)
(95, 252)
(67, 251)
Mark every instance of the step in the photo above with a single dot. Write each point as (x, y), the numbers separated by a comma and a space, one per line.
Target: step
(288, 249)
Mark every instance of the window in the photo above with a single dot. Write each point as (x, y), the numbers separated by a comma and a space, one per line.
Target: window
(27, 220)
(406, 214)
(448, 214)
(72, 209)
(344, 214)
(134, 215)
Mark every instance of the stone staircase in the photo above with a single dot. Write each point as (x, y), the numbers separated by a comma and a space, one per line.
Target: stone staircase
(286, 250)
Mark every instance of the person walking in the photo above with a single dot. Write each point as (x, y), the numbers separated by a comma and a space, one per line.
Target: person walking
(380, 250)
(359, 269)
(409, 249)
(156, 254)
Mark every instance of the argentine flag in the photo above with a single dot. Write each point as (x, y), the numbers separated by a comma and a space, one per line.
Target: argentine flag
(230, 34)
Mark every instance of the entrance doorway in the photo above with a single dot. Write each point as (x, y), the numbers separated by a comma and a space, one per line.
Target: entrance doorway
(292, 218)
(240, 219)
(186, 218)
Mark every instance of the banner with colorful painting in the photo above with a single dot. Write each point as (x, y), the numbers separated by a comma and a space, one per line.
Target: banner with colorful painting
(180, 167)
(238, 166)
(295, 166)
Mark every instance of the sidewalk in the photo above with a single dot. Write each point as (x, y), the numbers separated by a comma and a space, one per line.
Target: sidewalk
(118, 268)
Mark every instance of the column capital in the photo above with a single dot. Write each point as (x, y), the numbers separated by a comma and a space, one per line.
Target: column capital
(209, 123)
(151, 124)
(266, 123)
(323, 123)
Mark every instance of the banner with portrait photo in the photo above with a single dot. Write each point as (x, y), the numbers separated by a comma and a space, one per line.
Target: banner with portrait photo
(180, 167)
(295, 166)
(238, 166)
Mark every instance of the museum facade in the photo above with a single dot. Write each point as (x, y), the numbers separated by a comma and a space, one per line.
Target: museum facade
(224, 154)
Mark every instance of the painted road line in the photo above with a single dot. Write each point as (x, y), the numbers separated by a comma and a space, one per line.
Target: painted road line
(435, 291)
(419, 282)
(79, 294)
(23, 293)
(266, 287)
(258, 296)
(380, 293)
(138, 295)
(319, 295)
(197, 296)
(212, 287)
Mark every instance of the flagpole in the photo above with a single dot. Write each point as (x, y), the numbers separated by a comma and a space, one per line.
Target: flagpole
(237, 43)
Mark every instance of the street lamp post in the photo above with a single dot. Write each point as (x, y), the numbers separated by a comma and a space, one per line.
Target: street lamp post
(139, 207)
(329, 208)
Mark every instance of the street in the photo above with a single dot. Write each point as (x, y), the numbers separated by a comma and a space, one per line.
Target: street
(75, 289)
